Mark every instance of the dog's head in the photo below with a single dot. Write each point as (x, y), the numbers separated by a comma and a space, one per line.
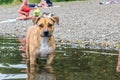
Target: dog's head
(45, 25)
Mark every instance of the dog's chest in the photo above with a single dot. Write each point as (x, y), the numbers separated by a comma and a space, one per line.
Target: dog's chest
(45, 49)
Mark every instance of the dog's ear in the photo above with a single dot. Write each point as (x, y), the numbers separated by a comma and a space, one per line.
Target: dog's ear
(35, 19)
(55, 19)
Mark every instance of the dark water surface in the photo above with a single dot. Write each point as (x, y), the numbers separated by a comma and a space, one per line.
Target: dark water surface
(71, 63)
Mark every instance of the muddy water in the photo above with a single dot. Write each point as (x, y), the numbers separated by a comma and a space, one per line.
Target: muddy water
(71, 63)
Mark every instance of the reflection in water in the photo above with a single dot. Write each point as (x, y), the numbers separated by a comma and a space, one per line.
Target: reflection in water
(10, 59)
(37, 72)
(71, 63)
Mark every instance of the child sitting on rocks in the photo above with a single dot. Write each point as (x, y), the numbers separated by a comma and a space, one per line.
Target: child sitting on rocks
(24, 11)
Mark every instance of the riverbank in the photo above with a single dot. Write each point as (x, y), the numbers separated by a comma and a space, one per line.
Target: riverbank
(86, 23)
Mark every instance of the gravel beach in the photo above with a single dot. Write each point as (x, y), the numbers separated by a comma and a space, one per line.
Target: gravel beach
(86, 23)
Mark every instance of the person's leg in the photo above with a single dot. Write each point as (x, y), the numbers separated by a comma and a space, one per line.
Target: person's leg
(21, 17)
(49, 3)
(43, 4)
(29, 17)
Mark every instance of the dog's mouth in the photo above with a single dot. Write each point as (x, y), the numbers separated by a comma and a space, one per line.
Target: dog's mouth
(45, 35)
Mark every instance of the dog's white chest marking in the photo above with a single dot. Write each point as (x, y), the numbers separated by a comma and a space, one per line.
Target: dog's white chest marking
(45, 49)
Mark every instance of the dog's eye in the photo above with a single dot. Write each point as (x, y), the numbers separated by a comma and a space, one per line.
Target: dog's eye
(41, 25)
(50, 25)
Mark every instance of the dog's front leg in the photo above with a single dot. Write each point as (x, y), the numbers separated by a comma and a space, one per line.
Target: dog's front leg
(27, 51)
(50, 58)
(32, 59)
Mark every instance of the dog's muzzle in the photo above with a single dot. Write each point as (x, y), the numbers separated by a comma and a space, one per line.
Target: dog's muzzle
(46, 33)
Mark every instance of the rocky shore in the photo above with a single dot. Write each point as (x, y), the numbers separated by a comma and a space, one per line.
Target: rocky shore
(86, 23)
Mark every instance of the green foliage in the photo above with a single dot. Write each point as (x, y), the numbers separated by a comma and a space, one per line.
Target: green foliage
(31, 1)
(9, 1)
(34, 1)
(5, 1)
(16, 1)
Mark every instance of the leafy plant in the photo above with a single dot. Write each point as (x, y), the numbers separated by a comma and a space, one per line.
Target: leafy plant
(5, 1)
(34, 1)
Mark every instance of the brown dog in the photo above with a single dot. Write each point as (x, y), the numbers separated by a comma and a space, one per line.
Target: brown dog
(39, 39)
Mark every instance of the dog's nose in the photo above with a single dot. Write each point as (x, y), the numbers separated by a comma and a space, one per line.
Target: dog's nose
(46, 32)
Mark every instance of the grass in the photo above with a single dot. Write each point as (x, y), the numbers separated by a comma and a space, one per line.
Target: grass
(6, 5)
(9, 5)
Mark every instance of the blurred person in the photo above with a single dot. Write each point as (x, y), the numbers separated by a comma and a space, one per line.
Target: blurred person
(110, 2)
(43, 3)
(24, 11)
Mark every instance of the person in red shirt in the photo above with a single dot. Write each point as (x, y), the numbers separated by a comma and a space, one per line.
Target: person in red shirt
(24, 11)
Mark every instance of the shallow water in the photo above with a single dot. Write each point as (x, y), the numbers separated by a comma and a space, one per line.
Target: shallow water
(71, 63)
